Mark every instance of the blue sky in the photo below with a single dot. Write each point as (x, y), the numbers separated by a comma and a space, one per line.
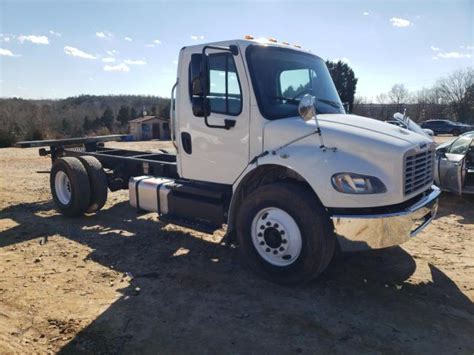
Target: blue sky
(64, 48)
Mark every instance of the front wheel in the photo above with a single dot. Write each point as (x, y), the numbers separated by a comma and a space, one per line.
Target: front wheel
(456, 132)
(285, 233)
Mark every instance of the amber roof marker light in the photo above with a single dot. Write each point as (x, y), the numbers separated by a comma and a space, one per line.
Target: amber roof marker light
(249, 37)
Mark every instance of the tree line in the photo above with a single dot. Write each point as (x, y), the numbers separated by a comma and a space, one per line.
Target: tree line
(22, 119)
(451, 97)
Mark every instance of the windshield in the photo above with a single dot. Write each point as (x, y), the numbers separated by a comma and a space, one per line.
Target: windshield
(281, 77)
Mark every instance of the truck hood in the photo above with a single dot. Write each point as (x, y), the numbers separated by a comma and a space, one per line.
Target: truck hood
(338, 126)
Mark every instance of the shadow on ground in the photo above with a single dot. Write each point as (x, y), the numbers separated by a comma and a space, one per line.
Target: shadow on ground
(205, 301)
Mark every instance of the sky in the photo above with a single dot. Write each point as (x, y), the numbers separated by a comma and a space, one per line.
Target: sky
(57, 49)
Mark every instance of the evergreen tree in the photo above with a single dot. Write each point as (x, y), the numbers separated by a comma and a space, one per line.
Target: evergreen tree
(107, 118)
(344, 80)
(87, 125)
(133, 113)
(65, 126)
(123, 115)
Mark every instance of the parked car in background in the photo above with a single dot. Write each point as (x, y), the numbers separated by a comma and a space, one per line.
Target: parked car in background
(446, 127)
(401, 124)
(454, 165)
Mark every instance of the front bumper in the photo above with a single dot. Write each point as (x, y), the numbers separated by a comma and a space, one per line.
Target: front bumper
(375, 231)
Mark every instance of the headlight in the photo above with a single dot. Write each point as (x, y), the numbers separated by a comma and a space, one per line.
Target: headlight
(350, 183)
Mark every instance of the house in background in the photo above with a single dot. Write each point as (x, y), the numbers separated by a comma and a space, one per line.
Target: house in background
(149, 127)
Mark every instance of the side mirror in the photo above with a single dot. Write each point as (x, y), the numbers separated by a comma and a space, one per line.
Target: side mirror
(306, 108)
(199, 74)
(201, 106)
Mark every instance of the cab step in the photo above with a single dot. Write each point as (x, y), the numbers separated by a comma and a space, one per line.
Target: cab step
(198, 225)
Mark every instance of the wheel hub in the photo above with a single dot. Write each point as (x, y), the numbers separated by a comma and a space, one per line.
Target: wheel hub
(62, 187)
(276, 236)
(272, 237)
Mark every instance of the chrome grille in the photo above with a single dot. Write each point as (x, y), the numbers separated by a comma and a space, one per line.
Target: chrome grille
(418, 171)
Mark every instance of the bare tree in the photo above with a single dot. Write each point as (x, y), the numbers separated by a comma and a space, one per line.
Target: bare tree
(399, 96)
(454, 91)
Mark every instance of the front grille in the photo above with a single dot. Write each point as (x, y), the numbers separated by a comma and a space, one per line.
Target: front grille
(418, 171)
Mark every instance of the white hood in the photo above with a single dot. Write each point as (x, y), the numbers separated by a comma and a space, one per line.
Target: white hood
(338, 126)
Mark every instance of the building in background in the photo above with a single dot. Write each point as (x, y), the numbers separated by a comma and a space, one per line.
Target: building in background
(150, 127)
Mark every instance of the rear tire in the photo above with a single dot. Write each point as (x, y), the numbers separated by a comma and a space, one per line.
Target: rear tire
(70, 186)
(98, 182)
(285, 233)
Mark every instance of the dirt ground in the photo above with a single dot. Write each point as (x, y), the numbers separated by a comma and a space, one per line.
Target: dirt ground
(120, 282)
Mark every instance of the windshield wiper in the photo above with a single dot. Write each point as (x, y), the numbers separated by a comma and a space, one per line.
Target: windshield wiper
(288, 99)
(334, 104)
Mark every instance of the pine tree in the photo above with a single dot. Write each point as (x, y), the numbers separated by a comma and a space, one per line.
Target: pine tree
(133, 113)
(123, 115)
(344, 80)
(87, 125)
(107, 118)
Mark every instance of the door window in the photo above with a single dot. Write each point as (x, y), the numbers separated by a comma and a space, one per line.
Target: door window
(460, 146)
(225, 95)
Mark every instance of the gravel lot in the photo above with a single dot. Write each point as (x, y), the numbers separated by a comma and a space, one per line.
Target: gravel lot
(120, 282)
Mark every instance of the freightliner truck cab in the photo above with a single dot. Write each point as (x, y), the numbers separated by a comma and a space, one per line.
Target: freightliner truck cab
(265, 147)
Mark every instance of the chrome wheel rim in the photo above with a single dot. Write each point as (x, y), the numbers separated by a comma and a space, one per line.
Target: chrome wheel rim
(276, 236)
(62, 186)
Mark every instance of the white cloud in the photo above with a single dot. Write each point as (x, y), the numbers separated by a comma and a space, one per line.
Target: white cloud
(453, 55)
(399, 22)
(433, 48)
(104, 35)
(175, 62)
(470, 48)
(119, 67)
(7, 53)
(74, 52)
(196, 37)
(128, 39)
(108, 60)
(5, 38)
(157, 41)
(54, 33)
(112, 53)
(134, 62)
(34, 39)
(366, 13)
(150, 45)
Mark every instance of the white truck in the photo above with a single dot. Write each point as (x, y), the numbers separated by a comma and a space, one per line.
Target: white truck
(265, 147)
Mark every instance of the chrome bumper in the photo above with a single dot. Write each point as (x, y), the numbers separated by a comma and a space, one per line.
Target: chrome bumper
(362, 232)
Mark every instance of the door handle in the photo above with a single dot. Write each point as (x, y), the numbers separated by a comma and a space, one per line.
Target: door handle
(228, 124)
(186, 142)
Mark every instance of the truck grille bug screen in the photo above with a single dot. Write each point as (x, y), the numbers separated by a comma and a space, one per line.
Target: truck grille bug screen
(418, 171)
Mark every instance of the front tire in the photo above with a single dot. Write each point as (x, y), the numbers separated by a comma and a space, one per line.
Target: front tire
(70, 186)
(285, 233)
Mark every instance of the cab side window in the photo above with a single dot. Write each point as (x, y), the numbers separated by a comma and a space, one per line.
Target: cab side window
(225, 95)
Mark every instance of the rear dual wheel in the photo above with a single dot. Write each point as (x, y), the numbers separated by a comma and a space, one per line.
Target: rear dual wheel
(78, 185)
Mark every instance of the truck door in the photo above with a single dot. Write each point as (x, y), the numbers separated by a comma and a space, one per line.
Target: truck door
(452, 165)
(206, 150)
